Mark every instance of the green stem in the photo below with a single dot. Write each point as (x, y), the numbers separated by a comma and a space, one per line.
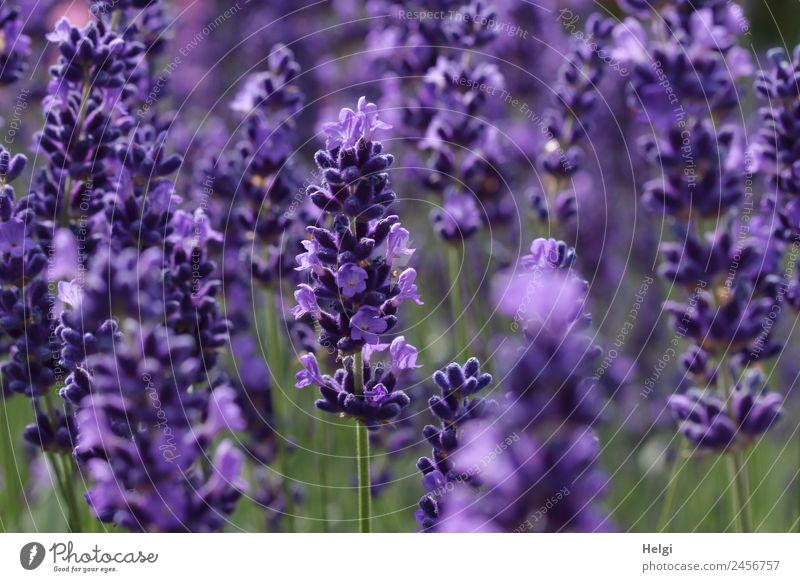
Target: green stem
(324, 444)
(76, 516)
(736, 466)
(474, 291)
(87, 89)
(11, 473)
(742, 490)
(364, 485)
(736, 500)
(362, 455)
(669, 500)
(275, 360)
(454, 253)
(63, 480)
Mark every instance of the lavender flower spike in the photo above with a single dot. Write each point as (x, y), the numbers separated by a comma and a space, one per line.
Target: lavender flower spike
(354, 287)
(455, 407)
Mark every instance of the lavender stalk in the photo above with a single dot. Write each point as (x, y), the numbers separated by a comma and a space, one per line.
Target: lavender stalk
(353, 260)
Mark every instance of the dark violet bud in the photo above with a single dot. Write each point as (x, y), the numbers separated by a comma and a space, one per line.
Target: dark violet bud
(40, 433)
(703, 420)
(11, 167)
(695, 361)
(755, 408)
(472, 25)
(684, 191)
(440, 408)
(458, 219)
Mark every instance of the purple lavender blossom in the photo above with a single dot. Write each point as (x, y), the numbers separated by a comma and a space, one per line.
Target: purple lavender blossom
(351, 279)
(310, 374)
(708, 424)
(258, 179)
(366, 324)
(306, 302)
(403, 355)
(567, 121)
(15, 47)
(454, 408)
(730, 275)
(459, 217)
(397, 249)
(529, 473)
(355, 288)
(146, 475)
(353, 126)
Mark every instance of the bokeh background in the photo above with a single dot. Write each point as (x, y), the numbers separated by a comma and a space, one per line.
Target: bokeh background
(639, 446)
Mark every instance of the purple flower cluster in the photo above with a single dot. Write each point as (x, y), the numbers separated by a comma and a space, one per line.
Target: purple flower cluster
(82, 124)
(380, 401)
(727, 256)
(551, 370)
(122, 316)
(568, 120)
(706, 422)
(84, 118)
(25, 306)
(258, 177)
(528, 483)
(451, 110)
(25, 313)
(142, 337)
(144, 434)
(456, 406)
(354, 269)
(778, 145)
(15, 47)
(143, 198)
(689, 54)
(537, 463)
(684, 82)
